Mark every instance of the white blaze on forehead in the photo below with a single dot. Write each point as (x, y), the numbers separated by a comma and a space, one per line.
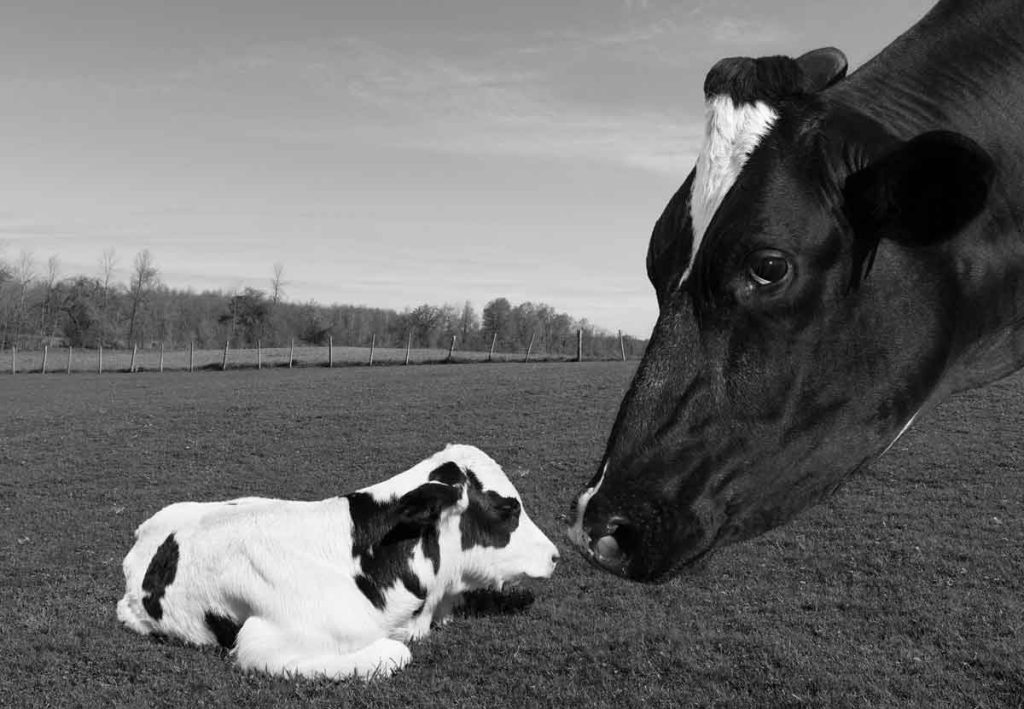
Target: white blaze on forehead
(731, 133)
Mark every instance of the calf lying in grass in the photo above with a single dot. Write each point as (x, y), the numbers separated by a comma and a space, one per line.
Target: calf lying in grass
(339, 586)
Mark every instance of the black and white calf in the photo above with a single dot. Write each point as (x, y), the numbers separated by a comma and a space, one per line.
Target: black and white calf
(338, 586)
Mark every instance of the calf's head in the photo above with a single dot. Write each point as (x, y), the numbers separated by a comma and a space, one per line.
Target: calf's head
(460, 508)
(807, 293)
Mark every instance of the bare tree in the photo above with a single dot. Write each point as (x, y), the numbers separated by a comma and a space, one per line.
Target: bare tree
(469, 322)
(144, 279)
(108, 263)
(6, 275)
(277, 284)
(49, 307)
(24, 274)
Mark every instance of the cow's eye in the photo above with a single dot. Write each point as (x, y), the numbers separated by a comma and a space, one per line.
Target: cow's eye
(767, 266)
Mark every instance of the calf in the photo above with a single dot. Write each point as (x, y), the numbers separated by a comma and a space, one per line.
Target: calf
(335, 587)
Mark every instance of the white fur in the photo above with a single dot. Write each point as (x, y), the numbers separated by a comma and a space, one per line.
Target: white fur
(576, 533)
(903, 430)
(284, 570)
(731, 133)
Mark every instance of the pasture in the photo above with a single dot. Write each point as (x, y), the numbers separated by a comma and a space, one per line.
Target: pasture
(904, 589)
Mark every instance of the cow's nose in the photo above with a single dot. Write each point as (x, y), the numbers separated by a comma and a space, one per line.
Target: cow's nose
(612, 547)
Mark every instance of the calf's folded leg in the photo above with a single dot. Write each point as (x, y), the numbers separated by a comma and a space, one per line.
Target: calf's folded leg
(263, 646)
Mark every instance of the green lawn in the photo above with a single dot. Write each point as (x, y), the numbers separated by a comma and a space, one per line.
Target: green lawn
(905, 589)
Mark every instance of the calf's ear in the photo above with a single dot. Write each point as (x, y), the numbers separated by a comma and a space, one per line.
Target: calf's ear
(422, 506)
(923, 192)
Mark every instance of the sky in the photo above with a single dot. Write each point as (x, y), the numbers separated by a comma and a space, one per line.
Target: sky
(386, 153)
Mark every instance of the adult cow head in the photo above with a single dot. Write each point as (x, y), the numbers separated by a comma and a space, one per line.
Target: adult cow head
(806, 284)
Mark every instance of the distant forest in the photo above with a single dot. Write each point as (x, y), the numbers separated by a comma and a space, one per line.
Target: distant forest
(38, 307)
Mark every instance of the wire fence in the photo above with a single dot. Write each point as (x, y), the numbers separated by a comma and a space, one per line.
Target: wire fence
(68, 360)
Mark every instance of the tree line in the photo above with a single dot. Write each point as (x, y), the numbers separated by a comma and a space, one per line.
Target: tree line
(38, 307)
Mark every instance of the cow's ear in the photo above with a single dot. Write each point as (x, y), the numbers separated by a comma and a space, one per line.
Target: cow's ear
(923, 192)
(821, 68)
(422, 506)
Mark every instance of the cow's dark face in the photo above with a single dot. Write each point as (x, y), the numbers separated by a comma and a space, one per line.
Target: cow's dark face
(776, 367)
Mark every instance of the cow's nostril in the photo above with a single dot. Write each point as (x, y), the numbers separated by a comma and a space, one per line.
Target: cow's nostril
(608, 548)
(612, 549)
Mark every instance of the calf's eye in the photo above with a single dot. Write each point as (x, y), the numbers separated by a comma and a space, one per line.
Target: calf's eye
(767, 266)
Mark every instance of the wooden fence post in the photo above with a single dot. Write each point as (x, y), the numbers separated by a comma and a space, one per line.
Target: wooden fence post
(191, 354)
(161, 358)
(408, 348)
(70, 348)
(494, 341)
(373, 345)
(259, 354)
(131, 367)
(14, 359)
(579, 345)
(451, 350)
(330, 350)
(622, 346)
(530, 348)
(291, 353)
(99, 360)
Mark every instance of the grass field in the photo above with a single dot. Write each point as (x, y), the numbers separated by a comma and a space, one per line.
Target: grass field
(903, 590)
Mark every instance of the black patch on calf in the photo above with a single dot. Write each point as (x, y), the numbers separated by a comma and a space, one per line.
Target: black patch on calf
(449, 474)
(412, 584)
(385, 535)
(490, 518)
(225, 629)
(159, 575)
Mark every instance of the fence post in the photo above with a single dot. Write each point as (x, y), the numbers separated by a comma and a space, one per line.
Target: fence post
(131, 367)
(14, 359)
(579, 345)
(451, 350)
(291, 353)
(70, 348)
(408, 348)
(99, 361)
(224, 362)
(373, 345)
(622, 346)
(191, 354)
(530, 348)
(259, 354)
(494, 340)
(330, 350)
(161, 357)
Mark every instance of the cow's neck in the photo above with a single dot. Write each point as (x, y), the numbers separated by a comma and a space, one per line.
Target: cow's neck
(961, 68)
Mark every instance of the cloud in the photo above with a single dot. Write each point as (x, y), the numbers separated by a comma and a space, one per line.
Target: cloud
(752, 31)
(424, 101)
